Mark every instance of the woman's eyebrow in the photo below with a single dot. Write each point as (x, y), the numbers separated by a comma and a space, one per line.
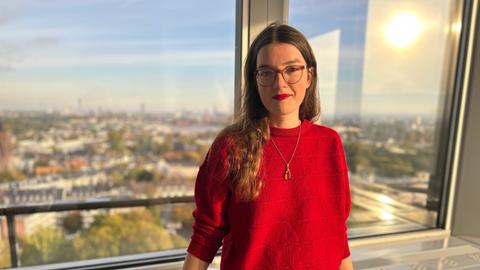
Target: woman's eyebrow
(294, 61)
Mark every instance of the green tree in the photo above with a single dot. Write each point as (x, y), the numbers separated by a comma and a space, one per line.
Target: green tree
(166, 146)
(9, 176)
(46, 245)
(140, 174)
(145, 175)
(423, 161)
(6, 176)
(42, 162)
(119, 234)
(144, 144)
(116, 176)
(359, 156)
(192, 157)
(156, 212)
(4, 254)
(183, 213)
(72, 223)
(116, 140)
(392, 165)
(203, 150)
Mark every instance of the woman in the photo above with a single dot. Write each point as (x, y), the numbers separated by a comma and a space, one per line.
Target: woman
(274, 186)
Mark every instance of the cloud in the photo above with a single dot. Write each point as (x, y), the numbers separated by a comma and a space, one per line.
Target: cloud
(168, 58)
(8, 55)
(13, 54)
(6, 68)
(9, 10)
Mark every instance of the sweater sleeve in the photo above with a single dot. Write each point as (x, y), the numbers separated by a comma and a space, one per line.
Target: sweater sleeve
(211, 201)
(346, 185)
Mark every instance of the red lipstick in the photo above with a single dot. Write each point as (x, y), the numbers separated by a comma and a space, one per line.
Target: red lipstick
(281, 96)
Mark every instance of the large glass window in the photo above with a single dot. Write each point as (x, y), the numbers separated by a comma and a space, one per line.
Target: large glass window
(105, 101)
(383, 69)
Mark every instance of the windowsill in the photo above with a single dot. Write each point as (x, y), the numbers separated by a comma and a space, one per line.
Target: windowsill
(432, 247)
(447, 252)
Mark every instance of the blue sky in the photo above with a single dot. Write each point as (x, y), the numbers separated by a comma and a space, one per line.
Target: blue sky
(354, 56)
(117, 55)
(174, 55)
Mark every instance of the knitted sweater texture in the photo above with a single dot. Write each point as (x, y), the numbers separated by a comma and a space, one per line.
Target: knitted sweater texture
(294, 224)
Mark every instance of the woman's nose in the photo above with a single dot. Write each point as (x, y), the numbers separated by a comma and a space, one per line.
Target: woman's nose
(279, 81)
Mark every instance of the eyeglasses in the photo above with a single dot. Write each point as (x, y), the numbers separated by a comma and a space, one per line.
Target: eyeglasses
(291, 74)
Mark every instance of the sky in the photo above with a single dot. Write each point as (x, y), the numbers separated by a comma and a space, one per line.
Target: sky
(121, 55)
(117, 55)
(391, 80)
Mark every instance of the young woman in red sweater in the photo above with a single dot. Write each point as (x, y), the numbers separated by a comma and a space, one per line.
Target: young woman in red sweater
(273, 189)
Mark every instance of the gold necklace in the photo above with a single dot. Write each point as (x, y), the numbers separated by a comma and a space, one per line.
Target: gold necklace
(288, 175)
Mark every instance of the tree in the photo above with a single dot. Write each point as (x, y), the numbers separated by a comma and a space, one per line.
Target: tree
(144, 144)
(140, 174)
(359, 157)
(116, 140)
(46, 245)
(109, 235)
(192, 157)
(116, 176)
(120, 234)
(4, 255)
(156, 212)
(6, 176)
(145, 175)
(42, 162)
(392, 165)
(166, 146)
(72, 223)
(183, 213)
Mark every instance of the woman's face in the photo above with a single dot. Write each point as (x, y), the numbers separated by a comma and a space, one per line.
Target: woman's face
(282, 95)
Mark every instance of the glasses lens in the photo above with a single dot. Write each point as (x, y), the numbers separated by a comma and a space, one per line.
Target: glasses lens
(292, 74)
(265, 77)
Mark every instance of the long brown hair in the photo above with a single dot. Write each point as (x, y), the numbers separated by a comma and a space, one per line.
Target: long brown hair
(250, 131)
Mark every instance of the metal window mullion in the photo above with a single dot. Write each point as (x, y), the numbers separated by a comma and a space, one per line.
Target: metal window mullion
(265, 12)
(242, 34)
(462, 87)
(12, 239)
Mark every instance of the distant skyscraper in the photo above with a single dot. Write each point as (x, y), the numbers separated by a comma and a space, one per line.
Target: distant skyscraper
(80, 107)
(5, 149)
(142, 111)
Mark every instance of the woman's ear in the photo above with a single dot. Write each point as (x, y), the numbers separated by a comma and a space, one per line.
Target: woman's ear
(309, 77)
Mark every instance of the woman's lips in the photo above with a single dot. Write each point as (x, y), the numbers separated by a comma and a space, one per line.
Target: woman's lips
(281, 96)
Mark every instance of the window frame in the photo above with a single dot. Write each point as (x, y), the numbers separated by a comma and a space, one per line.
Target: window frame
(251, 17)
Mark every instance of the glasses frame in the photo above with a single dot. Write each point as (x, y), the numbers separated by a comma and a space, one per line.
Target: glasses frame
(282, 72)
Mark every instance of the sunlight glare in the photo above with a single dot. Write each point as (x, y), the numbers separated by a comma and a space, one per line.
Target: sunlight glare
(403, 29)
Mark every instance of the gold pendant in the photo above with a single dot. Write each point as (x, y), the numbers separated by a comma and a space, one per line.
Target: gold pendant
(287, 175)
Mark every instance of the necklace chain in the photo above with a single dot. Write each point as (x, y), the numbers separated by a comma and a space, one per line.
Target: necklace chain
(288, 175)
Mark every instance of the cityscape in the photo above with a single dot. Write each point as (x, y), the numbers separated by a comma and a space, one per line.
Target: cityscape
(56, 156)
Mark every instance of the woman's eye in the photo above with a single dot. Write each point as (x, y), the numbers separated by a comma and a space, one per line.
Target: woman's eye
(291, 69)
(265, 73)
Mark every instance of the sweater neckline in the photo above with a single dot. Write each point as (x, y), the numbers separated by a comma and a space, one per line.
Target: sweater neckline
(289, 132)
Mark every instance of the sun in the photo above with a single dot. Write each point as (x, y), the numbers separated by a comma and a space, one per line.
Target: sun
(403, 29)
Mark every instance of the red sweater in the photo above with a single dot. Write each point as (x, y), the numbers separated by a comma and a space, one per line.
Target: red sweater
(294, 224)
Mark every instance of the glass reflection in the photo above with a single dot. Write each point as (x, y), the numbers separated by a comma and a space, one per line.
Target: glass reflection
(381, 83)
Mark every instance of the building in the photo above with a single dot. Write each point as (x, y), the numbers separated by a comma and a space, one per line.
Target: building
(5, 149)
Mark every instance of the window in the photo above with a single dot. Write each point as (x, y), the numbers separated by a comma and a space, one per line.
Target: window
(108, 107)
(107, 101)
(384, 69)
